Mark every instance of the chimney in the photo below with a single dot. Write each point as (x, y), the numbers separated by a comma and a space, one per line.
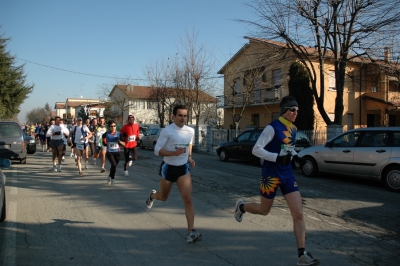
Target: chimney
(387, 54)
(129, 87)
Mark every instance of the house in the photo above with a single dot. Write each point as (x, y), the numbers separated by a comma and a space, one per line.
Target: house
(72, 106)
(142, 102)
(371, 89)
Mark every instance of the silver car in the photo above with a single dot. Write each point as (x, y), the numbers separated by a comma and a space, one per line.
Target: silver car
(150, 138)
(368, 152)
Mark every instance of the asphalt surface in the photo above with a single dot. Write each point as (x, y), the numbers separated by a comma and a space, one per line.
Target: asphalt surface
(63, 219)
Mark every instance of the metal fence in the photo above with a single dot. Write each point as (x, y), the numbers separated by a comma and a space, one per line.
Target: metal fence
(210, 137)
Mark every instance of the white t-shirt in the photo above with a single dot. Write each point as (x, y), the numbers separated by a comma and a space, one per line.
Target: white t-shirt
(173, 137)
(54, 128)
(78, 134)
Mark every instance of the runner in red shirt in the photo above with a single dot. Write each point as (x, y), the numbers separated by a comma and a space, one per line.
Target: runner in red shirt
(130, 133)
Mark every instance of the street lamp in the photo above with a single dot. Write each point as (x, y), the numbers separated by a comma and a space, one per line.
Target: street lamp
(66, 106)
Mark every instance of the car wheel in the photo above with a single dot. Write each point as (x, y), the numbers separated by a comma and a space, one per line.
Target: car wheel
(223, 156)
(22, 161)
(310, 168)
(3, 211)
(141, 145)
(391, 178)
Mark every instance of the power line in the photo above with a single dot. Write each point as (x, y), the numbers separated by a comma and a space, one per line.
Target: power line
(76, 72)
(94, 75)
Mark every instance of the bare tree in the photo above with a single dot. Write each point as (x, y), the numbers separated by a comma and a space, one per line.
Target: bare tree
(160, 78)
(193, 76)
(37, 115)
(321, 30)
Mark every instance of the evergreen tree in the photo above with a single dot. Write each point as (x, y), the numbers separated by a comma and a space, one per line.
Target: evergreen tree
(13, 90)
(82, 114)
(299, 87)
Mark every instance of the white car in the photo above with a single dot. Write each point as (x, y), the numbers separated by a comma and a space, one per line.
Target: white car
(150, 138)
(368, 152)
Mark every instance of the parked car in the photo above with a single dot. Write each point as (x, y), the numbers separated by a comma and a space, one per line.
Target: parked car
(150, 138)
(367, 152)
(242, 146)
(12, 142)
(3, 163)
(143, 131)
(30, 144)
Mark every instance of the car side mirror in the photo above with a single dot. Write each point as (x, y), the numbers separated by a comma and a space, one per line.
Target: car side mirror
(329, 144)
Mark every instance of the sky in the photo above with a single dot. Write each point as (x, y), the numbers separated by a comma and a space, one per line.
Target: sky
(75, 47)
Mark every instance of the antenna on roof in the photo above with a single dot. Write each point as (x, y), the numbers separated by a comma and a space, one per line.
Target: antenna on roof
(81, 91)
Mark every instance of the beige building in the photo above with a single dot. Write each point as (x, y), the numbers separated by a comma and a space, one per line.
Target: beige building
(71, 107)
(257, 77)
(141, 101)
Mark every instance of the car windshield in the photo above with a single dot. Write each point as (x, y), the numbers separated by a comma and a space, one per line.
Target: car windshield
(143, 130)
(9, 130)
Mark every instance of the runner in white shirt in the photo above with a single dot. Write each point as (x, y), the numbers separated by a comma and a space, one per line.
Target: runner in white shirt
(81, 134)
(175, 144)
(56, 132)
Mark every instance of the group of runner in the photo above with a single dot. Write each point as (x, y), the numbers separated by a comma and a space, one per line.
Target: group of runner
(90, 137)
(275, 145)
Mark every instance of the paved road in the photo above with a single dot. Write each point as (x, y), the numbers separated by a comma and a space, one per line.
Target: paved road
(63, 219)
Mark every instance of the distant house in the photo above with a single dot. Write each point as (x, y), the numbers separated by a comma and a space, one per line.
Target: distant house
(371, 91)
(141, 101)
(70, 109)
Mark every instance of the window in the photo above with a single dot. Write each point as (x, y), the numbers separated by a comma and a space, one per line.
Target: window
(346, 140)
(277, 77)
(237, 87)
(264, 77)
(255, 120)
(244, 137)
(332, 80)
(350, 124)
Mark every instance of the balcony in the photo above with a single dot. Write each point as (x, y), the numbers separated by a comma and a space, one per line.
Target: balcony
(259, 97)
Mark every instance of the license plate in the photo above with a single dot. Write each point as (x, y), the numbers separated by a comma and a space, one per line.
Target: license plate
(4, 147)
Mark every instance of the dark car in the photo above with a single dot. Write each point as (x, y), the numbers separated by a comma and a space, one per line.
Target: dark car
(3, 163)
(242, 146)
(30, 144)
(12, 142)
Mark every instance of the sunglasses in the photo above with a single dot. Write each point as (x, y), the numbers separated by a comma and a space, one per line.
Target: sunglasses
(292, 109)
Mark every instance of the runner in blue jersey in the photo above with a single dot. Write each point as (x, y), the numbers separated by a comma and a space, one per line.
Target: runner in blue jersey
(111, 139)
(276, 147)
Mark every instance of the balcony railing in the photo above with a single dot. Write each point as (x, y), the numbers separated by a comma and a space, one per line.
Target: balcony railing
(258, 97)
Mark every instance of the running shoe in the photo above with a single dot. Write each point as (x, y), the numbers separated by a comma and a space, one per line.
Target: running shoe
(59, 168)
(130, 163)
(71, 155)
(112, 182)
(307, 259)
(80, 173)
(94, 161)
(149, 200)
(63, 159)
(102, 170)
(126, 173)
(193, 237)
(54, 167)
(86, 167)
(238, 213)
(109, 180)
